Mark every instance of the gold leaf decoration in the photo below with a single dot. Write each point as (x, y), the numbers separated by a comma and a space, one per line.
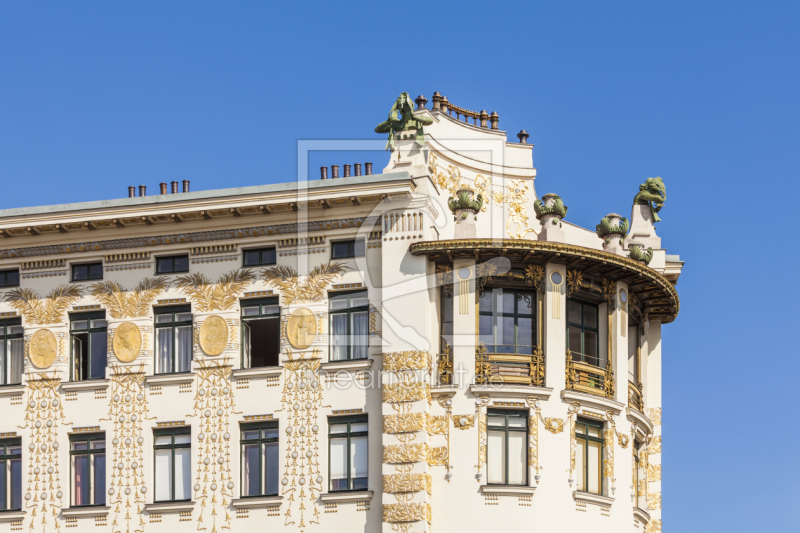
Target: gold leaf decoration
(438, 455)
(405, 392)
(405, 423)
(655, 445)
(554, 425)
(405, 453)
(463, 421)
(406, 512)
(122, 303)
(653, 472)
(406, 482)
(311, 289)
(48, 310)
(438, 424)
(222, 295)
(412, 360)
(653, 501)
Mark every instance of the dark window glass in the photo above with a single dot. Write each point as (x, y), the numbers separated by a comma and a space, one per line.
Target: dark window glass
(173, 339)
(447, 317)
(172, 264)
(582, 333)
(349, 326)
(345, 249)
(88, 465)
(10, 474)
(348, 453)
(260, 459)
(507, 447)
(259, 257)
(88, 338)
(9, 278)
(12, 350)
(506, 322)
(589, 456)
(87, 272)
(261, 333)
(173, 459)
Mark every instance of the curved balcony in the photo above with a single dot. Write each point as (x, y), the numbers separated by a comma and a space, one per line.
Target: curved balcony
(499, 368)
(589, 374)
(635, 397)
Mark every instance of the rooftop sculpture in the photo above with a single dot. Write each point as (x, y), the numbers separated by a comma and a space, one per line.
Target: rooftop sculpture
(401, 118)
(653, 193)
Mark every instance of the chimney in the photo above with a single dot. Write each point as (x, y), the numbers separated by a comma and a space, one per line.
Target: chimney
(334, 171)
(437, 100)
(523, 137)
(163, 187)
(358, 169)
(347, 171)
(421, 101)
(323, 173)
(174, 187)
(142, 190)
(131, 191)
(368, 169)
(185, 185)
(494, 118)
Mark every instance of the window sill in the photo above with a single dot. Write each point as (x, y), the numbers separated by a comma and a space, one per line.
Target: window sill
(169, 507)
(258, 373)
(643, 424)
(347, 496)
(508, 490)
(256, 502)
(11, 390)
(166, 379)
(351, 365)
(9, 516)
(591, 401)
(590, 497)
(511, 391)
(641, 515)
(88, 384)
(85, 510)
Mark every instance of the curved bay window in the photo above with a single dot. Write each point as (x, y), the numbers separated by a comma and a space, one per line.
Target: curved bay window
(582, 332)
(12, 347)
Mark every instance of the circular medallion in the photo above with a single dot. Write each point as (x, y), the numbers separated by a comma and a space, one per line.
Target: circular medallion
(302, 328)
(556, 277)
(42, 348)
(127, 342)
(623, 296)
(464, 273)
(213, 335)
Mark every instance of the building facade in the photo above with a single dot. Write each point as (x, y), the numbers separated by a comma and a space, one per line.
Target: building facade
(431, 347)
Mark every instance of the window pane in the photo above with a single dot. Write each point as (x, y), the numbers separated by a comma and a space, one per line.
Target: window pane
(339, 327)
(98, 356)
(593, 466)
(98, 444)
(166, 317)
(162, 440)
(580, 466)
(99, 479)
(338, 464)
(250, 473)
(593, 431)
(99, 323)
(163, 265)
(251, 258)
(16, 350)
(271, 310)
(14, 330)
(80, 324)
(268, 257)
(574, 311)
(517, 457)
(505, 301)
(181, 264)
(495, 457)
(272, 468)
(339, 303)
(250, 311)
(12, 278)
(524, 335)
(338, 428)
(517, 422)
(183, 349)
(183, 317)
(505, 334)
(96, 271)
(486, 335)
(485, 302)
(358, 462)
(358, 427)
(3, 362)
(497, 421)
(359, 302)
(525, 303)
(574, 339)
(359, 248)
(15, 487)
(360, 336)
(80, 480)
(79, 446)
(183, 439)
(447, 307)
(250, 434)
(3, 495)
(270, 433)
(163, 475)
(80, 272)
(589, 316)
(590, 345)
(183, 471)
(163, 350)
(342, 249)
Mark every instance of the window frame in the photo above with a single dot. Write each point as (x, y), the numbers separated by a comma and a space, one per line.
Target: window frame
(586, 437)
(260, 256)
(356, 247)
(261, 303)
(583, 328)
(4, 283)
(5, 458)
(172, 259)
(516, 315)
(88, 317)
(5, 338)
(349, 420)
(88, 271)
(88, 438)
(506, 413)
(349, 310)
(174, 324)
(446, 297)
(173, 431)
(261, 441)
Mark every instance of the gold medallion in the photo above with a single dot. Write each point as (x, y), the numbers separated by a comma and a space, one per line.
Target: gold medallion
(213, 335)
(127, 342)
(42, 349)
(302, 328)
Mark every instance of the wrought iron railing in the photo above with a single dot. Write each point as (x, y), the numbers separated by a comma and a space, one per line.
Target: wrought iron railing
(635, 398)
(499, 368)
(583, 376)
(444, 366)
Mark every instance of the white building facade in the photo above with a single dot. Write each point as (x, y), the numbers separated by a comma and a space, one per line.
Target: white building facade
(431, 347)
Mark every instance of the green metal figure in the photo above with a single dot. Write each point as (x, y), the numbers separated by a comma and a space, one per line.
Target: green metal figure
(401, 118)
(653, 193)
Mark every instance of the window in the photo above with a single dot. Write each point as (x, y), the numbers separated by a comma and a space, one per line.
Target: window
(639, 477)
(582, 334)
(447, 318)
(261, 333)
(347, 439)
(172, 264)
(12, 348)
(345, 249)
(173, 449)
(259, 257)
(260, 459)
(507, 321)
(173, 339)
(589, 456)
(9, 278)
(87, 456)
(10, 474)
(88, 337)
(507, 448)
(634, 351)
(349, 316)
(87, 272)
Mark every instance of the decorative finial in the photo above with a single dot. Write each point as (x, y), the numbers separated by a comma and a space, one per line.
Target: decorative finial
(523, 137)
(612, 229)
(638, 253)
(421, 101)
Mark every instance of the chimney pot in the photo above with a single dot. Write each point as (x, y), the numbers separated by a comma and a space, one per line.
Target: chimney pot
(494, 119)
(445, 105)
(163, 187)
(484, 119)
(323, 173)
(437, 99)
(523, 137)
(174, 187)
(347, 171)
(131, 191)
(421, 101)
(358, 169)
(142, 190)
(368, 169)
(334, 171)
(185, 185)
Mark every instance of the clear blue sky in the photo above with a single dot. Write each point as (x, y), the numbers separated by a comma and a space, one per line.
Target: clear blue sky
(98, 96)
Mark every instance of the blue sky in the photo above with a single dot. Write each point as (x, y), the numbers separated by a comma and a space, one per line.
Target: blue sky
(96, 96)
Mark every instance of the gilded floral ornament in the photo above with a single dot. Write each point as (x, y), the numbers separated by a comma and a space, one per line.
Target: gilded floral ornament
(411, 360)
(652, 193)
(405, 423)
(463, 421)
(406, 512)
(534, 274)
(222, 295)
(405, 453)
(121, 303)
(48, 310)
(406, 482)
(312, 288)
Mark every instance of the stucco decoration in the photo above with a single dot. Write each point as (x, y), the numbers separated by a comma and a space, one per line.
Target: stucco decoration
(43, 348)
(653, 193)
(405, 453)
(120, 303)
(401, 118)
(311, 288)
(213, 335)
(127, 342)
(301, 328)
(222, 295)
(48, 310)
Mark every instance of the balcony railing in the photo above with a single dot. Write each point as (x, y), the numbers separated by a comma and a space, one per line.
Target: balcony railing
(586, 374)
(635, 398)
(499, 368)
(444, 366)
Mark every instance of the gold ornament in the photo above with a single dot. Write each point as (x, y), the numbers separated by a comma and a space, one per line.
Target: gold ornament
(213, 335)
(302, 328)
(127, 342)
(43, 348)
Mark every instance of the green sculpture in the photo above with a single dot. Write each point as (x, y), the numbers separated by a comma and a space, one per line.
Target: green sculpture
(653, 193)
(463, 202)
(401, 118)
(638, 253)
(604, 228)
(556, 208)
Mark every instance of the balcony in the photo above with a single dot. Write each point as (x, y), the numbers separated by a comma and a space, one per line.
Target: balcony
(499, 368)
(586, 374)
(635, 398)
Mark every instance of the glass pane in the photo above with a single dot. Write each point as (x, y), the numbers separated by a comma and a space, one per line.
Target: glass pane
(15, 500)
(574, 311)
(268, 257)
(183, 349)
(574, 339)
(339, 327)
(12, 278)
(594, 461)
(358, 427)
(14, 330)
(339, 303)
(517, 457)
(359, 248)
(3, 364)
(447, 307)
(95, 271)
(338, 464)
(250, 311)
(486, 335)
(593, 431)
(358, 462)
(497, 421)
(163, 265)
(359, 302)
(270, 433)
(98, 355)
(163, 477)
(525, 302)
(79, 446)
(524, 335)
(162, 440)
(485, 302)
(251, 258)
(341, 249)
(580, 466)
(271, 310)
(589, 316)
(250, 434)
(250, 472)
(99, 479)
(505, 301)
(80, 324)
(166, 317)
(517, 422)
(80, 480)
(360, 337)
(247, 357)
(495, 457)
(98, 444)
(163, 350)
(273, 468)
(183, 439)
(338, 428)
(580, 428)
(99, 323)
(182, 264)
(183, 472)
(590, 345)
(80, 272)
(14, 449)
(506, 334)
(3, 495)
(183, 317)
(16, 350)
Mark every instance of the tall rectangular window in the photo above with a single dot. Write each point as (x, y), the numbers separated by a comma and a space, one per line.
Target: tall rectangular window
(349, 316)
(87, 455)
(12, 349)
(507, 447)
(87, 272)
(506, 321)
(10, 474)
(259, 257)
(9, 278)
(447, 318)
(347, 249)
(589, 456)
(261, 333)
(639, 476)
(172, 264)
(348, 453)
(89, 344)
(173, 339)
(582, 332)
(173, 470)
(634, 351)
(260, 459)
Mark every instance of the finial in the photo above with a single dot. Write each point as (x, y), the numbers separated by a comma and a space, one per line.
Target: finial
(523, 137)
(421, 101)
